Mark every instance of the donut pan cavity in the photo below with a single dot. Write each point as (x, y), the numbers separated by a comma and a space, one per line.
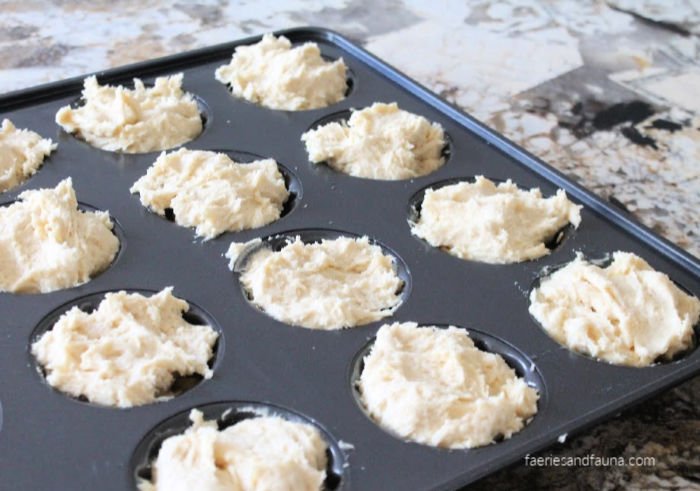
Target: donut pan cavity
(415, 205)
(524, 367)
(50, 441)
(227, 414)
(89, 303)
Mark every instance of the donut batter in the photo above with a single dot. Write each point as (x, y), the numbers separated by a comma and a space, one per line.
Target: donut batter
(433, 386)
(379, 142)
(142, 119)
(493, 223)
(47, 243)
(256, 454)
(344, 282)
(127, 352)
(211, 192)
(626, 313)
(275, 75)
(21, 154)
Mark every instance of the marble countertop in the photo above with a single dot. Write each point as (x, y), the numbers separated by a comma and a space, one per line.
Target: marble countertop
(607, 92)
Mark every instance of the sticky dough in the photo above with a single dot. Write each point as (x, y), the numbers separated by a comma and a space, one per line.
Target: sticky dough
(211, 192)
(626, 313)
(379, 142)
(344, 282)
(21, 154)
(47, 243)
(433, 386)
(127, 352)
(275, 75)
(134, 120)
(483, 221)
(256, 454)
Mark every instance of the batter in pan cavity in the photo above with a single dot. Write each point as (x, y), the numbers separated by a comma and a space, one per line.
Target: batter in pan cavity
(275, 75)
(332, 284)
(434, 387)
(47, 243)
(493, 223)
(379, 142)
(256, 454)
(21, 154)
(126, 353)
(211, 192)
(626, 313)
(134, 120)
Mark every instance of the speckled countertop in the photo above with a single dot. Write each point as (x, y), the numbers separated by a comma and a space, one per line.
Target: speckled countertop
(608, 92)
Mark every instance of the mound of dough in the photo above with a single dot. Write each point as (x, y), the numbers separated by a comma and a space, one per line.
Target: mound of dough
(263, 453)
(21, 154)
(344, 282)
(379, 142)
(625, 314)
(273, 74)
(134, 120)
(47, 243)
(482, 221)
(211, 192)
(433, 386)
(127, 352)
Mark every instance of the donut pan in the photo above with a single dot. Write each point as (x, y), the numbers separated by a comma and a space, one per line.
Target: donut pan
(50, 441)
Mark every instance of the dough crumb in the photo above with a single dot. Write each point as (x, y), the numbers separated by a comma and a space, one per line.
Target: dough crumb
(48, 244)
(211, 192)
(261, 453)
(626, 313)
(21, 154)
(134, 120)
(275, 75)
(379, 142)
(128, 352)
(493, 223)
(434, 387)
(332, 284)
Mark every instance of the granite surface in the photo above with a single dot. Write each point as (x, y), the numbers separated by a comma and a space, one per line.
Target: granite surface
(605, 92)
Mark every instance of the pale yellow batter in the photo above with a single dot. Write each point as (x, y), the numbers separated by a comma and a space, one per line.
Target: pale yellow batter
(333, 284)
(626, 313)
(433, 386)
(211, 192)
(379, 142)
(266, 453)
(273, 74)
(134, 120)
(21, 154)
(127, 352)
(47, 243)
(493, 223)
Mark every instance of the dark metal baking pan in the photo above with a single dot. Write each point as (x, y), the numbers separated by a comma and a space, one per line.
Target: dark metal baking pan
(50, 441)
